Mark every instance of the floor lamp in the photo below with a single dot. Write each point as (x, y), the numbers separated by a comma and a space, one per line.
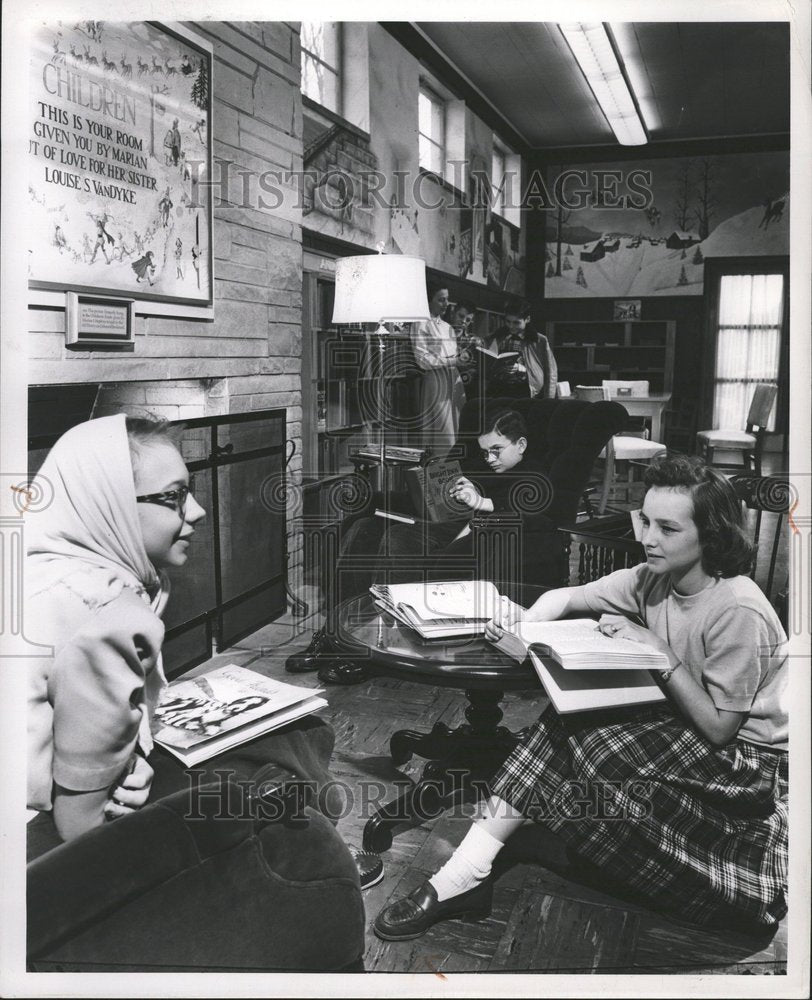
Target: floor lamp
(380, 288)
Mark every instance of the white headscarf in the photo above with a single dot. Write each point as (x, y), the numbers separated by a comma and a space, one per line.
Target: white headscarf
(90, 532)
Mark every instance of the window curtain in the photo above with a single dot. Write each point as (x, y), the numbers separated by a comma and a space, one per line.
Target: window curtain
(748, 343)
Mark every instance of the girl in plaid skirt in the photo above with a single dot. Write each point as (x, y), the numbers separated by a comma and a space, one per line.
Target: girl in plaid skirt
(681, 804)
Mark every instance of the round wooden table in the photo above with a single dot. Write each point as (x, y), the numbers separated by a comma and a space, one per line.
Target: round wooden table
(460, 761)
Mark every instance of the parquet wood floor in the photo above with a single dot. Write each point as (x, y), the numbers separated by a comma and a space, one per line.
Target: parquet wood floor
(544, 920)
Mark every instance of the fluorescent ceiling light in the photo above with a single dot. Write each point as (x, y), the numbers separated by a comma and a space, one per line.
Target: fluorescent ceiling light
(593, 52)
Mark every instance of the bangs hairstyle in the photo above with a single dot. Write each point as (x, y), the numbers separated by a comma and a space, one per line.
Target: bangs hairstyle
(508, 423)
(145, 431)
(726, 550)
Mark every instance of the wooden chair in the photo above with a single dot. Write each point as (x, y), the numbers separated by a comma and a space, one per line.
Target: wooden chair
(624, 447)
(617, 389)
(606, 544)
(680, 425)
(768, 495)
(749, 442)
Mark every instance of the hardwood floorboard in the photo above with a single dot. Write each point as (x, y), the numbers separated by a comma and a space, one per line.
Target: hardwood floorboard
(543, 919)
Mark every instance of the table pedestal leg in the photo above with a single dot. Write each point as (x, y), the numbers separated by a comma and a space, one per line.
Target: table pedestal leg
(461, 761)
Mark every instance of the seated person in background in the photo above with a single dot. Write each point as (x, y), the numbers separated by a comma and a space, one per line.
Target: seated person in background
(534, 373)
(706, 840)
(502, 480)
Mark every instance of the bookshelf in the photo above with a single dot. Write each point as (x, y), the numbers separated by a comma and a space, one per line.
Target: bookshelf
(588, 351)
(486, 323)
(344, 396)
(332, 390)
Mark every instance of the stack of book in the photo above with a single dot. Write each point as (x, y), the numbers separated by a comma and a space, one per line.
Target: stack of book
(440, 610)
(582, 669)
(214, 712)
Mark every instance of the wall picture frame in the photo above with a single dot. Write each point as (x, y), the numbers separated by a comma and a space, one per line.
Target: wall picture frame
(120, 161)
(627, 309)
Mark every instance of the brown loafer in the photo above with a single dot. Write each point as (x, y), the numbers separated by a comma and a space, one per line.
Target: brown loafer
(411, 917)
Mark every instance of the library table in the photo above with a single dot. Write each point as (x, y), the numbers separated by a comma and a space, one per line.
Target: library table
(650, 407)
(460, 761)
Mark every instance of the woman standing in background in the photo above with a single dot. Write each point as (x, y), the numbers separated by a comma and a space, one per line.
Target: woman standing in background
(441, 394)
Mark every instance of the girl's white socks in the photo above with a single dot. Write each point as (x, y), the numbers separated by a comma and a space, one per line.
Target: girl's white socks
(468, 865)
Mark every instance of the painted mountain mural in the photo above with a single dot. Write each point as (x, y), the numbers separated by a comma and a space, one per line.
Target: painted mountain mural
(721, 206)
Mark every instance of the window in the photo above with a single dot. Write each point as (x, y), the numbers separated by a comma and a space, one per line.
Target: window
(321, 61)
(748, 343)
(431, 126)
(498, 180)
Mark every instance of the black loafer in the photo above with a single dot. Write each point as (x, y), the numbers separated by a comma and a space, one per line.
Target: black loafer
(370, 868)
(346, 672)
(317, 653)
(411, 917)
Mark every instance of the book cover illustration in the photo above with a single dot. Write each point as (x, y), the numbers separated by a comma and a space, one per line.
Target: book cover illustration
(430, 491)
(196, 710)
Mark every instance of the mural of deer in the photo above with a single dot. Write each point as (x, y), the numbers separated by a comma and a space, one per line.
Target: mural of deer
(109, 67)
(89, 59)
(170, 69)
(142, 66)
(77, 57)
(773, 211)
(157, 67)
(126, 68)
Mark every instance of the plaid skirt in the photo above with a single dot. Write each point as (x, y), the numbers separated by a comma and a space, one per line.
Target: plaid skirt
(697, 830)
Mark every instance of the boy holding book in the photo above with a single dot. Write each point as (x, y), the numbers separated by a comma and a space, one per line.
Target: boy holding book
(698, 786)
(503, 480)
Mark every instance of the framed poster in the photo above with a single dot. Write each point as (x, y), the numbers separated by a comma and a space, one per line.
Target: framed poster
(120, 154)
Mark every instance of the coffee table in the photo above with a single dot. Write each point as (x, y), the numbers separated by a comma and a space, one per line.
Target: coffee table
(461, 760)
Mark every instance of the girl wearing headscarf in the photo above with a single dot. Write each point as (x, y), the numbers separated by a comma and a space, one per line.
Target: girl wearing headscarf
(122, 513)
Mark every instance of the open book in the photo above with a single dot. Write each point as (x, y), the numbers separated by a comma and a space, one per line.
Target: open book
(440, 610)
(495, 356)
(582, 669)
(206, 715)
(576, 644)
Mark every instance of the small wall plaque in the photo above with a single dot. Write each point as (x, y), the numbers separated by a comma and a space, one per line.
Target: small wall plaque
(98, 321)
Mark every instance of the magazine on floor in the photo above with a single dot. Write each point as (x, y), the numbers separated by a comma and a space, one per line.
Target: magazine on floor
(203, 716)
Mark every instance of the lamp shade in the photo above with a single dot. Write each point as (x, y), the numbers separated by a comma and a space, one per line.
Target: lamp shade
(378, 288)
